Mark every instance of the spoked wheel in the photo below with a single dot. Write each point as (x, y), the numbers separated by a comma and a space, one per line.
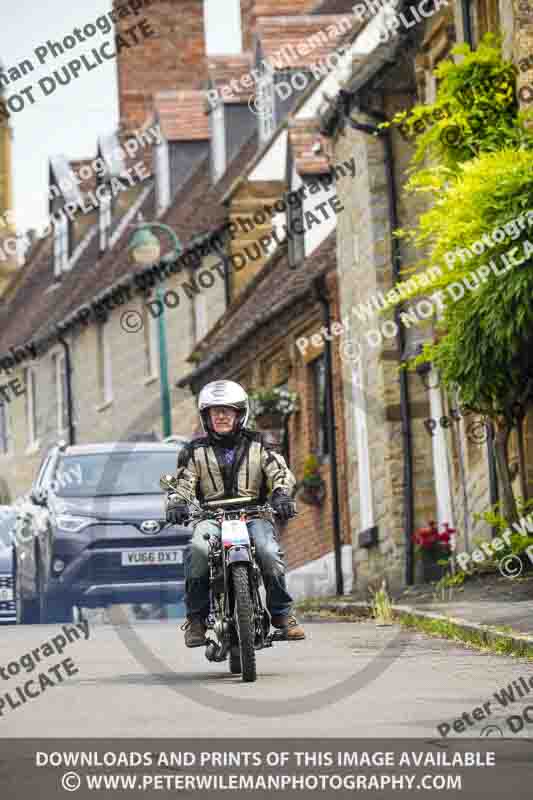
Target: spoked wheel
(244, 617)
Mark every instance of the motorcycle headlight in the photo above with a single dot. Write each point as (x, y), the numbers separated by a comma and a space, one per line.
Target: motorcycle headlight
(72, 524)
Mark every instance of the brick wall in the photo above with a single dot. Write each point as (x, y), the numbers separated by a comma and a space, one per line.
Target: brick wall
(174, 57)
(310, 535)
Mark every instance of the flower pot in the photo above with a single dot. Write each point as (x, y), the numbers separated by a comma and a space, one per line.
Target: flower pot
(313, 495)
(270, 421)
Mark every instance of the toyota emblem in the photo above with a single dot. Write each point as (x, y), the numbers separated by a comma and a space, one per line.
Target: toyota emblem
(150, 526)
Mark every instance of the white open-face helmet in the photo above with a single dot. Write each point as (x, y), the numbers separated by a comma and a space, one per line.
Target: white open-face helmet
(223, 393)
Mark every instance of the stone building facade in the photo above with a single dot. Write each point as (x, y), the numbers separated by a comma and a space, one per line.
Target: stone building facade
(404, 474)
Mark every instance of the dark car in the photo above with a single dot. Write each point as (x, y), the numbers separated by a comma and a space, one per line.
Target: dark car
(93, 535)
(8, 516)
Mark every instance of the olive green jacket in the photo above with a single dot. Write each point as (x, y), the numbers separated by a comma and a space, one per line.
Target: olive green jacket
(256, 471)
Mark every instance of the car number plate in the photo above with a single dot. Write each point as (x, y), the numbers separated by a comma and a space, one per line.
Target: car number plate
(6, 595)
(144, 556)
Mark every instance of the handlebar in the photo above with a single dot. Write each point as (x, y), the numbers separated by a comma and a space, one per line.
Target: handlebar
(218, 509)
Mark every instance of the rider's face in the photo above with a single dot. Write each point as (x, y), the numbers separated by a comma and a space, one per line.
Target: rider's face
(222, 418)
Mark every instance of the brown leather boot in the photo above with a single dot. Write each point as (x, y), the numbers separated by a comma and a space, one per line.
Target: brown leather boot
(295, 631)
(195, 629)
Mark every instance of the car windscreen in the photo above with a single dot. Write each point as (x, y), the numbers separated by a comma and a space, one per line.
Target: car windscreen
(7, 523)
(116, 473)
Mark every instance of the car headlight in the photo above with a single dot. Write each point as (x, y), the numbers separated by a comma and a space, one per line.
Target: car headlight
(58, 565)
(73, 524)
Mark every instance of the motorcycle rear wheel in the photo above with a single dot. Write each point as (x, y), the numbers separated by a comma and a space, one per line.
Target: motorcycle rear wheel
(244, 618)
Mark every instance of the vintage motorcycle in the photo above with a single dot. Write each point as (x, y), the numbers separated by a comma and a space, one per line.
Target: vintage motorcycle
(237, 616)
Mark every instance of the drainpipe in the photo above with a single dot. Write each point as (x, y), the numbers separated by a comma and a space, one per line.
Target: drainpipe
(166, 413)
(321, 293)
(493, 475)
(408, 499)
(467, 24)
(70, 411)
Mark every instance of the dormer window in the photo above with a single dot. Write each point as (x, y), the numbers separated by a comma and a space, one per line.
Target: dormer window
(265, 106)
(61, 254)
(218, 142)
(295, 225)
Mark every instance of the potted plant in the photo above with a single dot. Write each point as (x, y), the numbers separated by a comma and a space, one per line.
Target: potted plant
(270, 407)
(312, 486)
(435, 548)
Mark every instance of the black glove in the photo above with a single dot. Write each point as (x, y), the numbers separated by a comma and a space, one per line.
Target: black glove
(283, 505)
(177, 512)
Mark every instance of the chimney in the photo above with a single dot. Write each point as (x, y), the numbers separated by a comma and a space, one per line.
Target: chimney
(173, 57)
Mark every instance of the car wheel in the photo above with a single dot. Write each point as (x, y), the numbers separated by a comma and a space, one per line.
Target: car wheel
(27, 611)
(53, 610)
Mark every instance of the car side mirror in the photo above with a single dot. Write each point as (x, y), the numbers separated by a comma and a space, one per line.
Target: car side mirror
(168, 483)
(39, 496)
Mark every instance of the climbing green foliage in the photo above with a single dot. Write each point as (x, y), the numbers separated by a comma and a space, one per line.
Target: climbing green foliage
(476, 184)
(476, 111)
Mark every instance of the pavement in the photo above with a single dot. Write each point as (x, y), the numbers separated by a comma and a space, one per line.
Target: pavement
(498, 607)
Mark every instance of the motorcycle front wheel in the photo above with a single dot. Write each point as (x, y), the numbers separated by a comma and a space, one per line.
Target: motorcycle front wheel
(244, 619)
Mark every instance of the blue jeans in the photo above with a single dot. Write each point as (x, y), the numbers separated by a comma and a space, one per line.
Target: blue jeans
(269, 556)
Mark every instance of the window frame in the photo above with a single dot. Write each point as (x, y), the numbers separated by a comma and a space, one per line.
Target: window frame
(105, 218)
(61, 246)
(5, 430)
(264, 92)
(322, 445)
(296, 241)
(218, 141)
(60, 383)
(32, 422)
(105, 369)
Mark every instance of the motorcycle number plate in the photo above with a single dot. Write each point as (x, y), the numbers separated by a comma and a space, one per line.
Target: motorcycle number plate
(234, 532)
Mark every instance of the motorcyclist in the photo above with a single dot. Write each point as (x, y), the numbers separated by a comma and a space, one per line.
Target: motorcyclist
(231, 461)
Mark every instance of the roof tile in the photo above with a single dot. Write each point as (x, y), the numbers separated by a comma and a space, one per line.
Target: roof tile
(300, 41)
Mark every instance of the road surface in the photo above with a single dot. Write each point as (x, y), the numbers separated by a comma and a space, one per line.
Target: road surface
(346, 679)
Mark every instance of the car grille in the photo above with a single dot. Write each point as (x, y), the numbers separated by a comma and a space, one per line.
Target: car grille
(6, 608)
(131, 544)
(107, 568)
